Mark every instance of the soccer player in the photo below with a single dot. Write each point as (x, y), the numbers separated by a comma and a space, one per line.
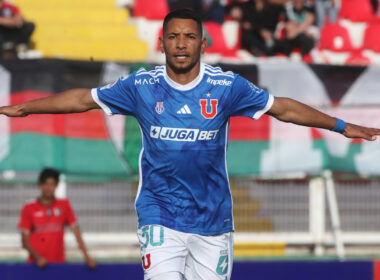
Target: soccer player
(42, 224)
(184, 203)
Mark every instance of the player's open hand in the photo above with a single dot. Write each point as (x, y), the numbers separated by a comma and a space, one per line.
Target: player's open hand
(91, 264)
(357, 131)
(41, 262)
(12, 111)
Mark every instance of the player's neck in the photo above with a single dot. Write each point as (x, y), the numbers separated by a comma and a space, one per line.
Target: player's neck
(184, 78)
(46, 201)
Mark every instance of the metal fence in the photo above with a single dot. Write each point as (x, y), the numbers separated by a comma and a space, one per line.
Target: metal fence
(265, 211)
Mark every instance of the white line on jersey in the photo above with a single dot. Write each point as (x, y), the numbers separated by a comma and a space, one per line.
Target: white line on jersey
(184, 110)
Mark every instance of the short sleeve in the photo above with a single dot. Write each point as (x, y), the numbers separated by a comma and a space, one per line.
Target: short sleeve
(117, 97)
(25, 223)
(249, 100)
(70, 218)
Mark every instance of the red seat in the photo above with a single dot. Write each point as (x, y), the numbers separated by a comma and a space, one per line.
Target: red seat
(216, 42)
(356, 10)
(372, 38)
(153, 10)
(335, 37)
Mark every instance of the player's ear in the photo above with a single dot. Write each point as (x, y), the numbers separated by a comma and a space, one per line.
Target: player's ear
(203, 45)
(161, 44)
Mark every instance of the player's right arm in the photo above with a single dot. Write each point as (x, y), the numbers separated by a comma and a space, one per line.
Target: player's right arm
(71, 101)
(40, 260)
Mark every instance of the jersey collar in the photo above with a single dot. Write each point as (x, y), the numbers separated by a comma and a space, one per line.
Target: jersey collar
(188, 86)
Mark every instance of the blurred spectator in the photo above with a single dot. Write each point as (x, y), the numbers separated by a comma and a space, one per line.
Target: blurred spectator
(376, 7)
(259, 20)
(299, 29)
(14, 31)
(127, 4)
(42, 224)
(212, 10)
(195, 5)
(323, 7)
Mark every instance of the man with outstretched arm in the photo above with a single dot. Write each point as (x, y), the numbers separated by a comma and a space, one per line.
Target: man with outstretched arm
(184, 203)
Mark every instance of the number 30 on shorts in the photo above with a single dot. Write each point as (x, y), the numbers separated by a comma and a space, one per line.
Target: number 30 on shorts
(154, 235)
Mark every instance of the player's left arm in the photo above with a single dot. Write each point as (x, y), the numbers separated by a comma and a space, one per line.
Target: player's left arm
(78, 236)
(289, 110)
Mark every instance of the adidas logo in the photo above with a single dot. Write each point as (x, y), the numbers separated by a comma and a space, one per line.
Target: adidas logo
(184, 110)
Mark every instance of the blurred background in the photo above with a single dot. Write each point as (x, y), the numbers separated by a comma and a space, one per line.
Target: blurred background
(299, 193)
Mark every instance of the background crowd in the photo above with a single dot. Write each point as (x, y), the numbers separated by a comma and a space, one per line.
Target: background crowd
(267, 27)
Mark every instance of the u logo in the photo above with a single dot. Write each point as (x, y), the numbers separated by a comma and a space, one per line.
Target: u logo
(146, 261)
(214, 108)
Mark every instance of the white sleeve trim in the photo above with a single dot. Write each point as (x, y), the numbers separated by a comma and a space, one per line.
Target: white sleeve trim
(267, 107)
(105, 108)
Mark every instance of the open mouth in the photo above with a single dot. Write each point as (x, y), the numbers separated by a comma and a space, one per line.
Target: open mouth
(181, 57)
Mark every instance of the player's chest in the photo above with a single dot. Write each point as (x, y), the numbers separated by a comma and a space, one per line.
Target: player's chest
(45, 215)
(200, 105)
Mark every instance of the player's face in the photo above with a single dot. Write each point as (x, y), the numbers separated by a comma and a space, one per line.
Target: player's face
(182, 44)
(48, 188)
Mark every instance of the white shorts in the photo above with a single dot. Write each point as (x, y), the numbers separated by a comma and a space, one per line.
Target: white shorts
(192, 255)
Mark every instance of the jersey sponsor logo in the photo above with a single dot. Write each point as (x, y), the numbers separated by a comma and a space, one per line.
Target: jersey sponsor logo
(51, 227)
(150, 81)
(222, 267)
(159, 108)
(214, 108)
(146, 261)
(223, 82)
(182, 134)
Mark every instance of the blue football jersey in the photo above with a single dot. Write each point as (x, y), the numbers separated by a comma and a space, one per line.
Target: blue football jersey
(183, 173)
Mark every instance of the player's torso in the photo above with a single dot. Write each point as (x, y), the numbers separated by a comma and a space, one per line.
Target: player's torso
(184, 182)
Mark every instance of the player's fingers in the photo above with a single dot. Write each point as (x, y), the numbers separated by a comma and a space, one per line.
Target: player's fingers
(371, 138)
(372, 132)
(370, 135)
(375, 131)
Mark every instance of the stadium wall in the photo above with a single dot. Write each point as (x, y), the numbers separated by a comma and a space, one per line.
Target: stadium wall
(263, 270)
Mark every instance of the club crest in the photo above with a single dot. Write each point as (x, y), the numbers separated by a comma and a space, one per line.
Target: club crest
(159, 108)
(204, 103)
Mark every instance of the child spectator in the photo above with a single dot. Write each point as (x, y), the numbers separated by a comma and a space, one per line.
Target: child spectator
(42, 224)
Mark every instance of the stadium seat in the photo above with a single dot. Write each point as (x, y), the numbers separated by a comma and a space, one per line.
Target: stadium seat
(335, 37)
(356, 10)
(216, 40)
(153, 10)
(85, 29)
(372, 38)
